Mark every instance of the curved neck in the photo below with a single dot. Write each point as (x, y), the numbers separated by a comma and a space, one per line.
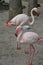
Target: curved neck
(32, 17)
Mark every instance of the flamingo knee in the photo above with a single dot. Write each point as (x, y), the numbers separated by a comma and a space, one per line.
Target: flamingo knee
(32, 47)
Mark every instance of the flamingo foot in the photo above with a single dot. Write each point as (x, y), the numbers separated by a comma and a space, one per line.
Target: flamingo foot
(18, 48)
(26, 52)
(30, 63)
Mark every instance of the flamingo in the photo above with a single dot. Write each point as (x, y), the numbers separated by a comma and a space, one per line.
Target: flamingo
(27, 37)
(22, 19)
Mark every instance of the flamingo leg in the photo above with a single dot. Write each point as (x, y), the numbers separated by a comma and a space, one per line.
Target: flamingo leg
(18, 46)
(30, 62)
(26, 49)
(32, 51)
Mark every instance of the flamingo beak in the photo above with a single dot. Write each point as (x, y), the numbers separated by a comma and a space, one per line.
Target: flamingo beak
(16, 32)
(8, 24)
(36, 12)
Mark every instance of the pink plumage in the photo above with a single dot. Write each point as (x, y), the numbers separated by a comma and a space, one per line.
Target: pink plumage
(27, 38)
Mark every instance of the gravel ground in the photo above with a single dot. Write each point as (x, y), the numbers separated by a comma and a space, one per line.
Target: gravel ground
(8, 53)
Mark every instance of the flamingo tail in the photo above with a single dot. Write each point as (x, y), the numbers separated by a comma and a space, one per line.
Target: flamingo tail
(40, 39)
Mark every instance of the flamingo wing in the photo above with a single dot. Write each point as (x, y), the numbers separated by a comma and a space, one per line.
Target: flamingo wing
(29, 37)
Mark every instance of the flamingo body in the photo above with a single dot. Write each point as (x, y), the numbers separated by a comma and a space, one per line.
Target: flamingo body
(19, 19)
(29, 37)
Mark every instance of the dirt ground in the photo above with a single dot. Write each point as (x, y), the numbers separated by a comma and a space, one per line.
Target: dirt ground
(9, 55)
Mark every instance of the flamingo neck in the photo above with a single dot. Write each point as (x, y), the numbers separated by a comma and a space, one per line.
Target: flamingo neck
(32, 17)
(20, 34)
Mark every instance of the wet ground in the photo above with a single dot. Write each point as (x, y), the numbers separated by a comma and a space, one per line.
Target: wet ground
(8, 53)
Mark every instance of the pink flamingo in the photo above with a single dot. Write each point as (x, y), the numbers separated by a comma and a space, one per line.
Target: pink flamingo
(22, 19)
(27, 37)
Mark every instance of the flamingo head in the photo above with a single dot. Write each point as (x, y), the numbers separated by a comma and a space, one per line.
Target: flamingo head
(36, 11)
(9, 23)
(19, 28)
